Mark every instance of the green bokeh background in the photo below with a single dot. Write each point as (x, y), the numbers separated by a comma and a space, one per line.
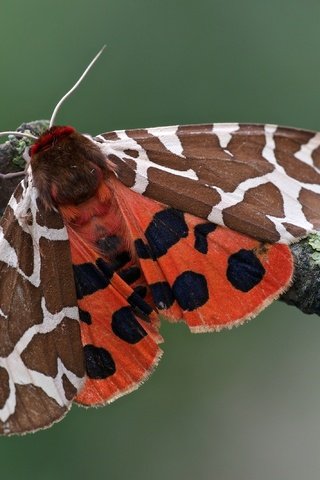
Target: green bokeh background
(238, 405)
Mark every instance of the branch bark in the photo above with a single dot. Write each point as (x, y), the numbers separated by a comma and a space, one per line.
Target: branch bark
(11, 158)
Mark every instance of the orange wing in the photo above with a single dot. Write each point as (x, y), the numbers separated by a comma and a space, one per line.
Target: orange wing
(209, 276)
(134, 258)
(118, 330)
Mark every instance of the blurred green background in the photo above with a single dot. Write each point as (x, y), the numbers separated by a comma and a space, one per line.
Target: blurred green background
(238, 405)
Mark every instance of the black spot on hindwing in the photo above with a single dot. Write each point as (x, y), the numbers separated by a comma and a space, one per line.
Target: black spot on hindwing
(104, 268)
(139, 306)
(108, 244)
(90, 277)
(131, 274)
(126, 327)
(190, 290)
(141, 290)
(201, 231)
(99, 362)
(165, 230)
(143, 250)
(120, 260)
(85, 316)
(162, 295)
(245, 270)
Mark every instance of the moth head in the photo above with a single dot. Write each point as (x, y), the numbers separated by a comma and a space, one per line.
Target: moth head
(67, 167)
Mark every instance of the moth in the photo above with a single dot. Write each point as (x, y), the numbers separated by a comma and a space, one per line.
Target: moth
(106, 233)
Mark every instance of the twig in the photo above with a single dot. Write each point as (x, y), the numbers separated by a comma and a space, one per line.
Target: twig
(12, 162)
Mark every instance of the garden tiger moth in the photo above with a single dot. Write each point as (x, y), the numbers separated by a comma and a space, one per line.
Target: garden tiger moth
(106, 232)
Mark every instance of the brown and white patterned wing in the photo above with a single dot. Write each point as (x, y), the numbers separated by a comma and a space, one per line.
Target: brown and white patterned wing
(261, 180)
(41, 359)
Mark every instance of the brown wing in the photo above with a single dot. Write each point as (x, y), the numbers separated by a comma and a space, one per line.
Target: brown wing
(41, 358)
(261, 180)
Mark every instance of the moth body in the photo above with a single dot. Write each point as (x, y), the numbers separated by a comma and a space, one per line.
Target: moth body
(67, 167)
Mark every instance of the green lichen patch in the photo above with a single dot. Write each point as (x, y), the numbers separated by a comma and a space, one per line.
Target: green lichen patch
(314, 242)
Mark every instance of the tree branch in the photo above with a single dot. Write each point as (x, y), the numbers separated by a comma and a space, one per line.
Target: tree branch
(11, 160)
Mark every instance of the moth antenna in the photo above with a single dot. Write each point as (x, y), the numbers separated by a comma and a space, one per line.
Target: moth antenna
(55, 111)
(19, 134)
